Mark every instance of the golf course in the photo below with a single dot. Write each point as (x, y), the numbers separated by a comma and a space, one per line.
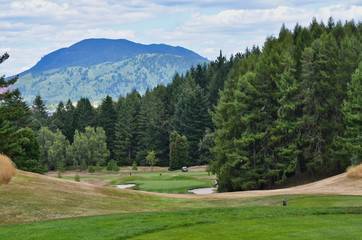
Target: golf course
(37, 206)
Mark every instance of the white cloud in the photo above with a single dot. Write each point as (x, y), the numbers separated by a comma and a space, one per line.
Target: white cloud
(33, 28)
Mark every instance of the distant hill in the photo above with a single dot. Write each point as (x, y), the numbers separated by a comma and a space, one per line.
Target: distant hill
(94, 68)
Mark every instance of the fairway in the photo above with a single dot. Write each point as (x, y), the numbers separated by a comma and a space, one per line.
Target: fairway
(166, 182)
(256, 222)
(73, 210)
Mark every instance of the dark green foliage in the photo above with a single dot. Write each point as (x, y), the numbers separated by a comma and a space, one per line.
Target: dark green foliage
(28, 159)
(39, 110)
(153, 127)
(352, 111)
(178, 151)
(107, 120)
(217, 73)
(112, 166)
(84, 115)
(191, 117)
(17, 141)
(126, 138)
(205, 145)
(91, 169)
(280, 113)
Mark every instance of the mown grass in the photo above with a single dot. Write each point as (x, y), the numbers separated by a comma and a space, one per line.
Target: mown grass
(257, 222)
(166, 182)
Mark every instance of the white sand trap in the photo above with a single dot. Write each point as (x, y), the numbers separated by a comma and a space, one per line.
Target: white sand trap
(123, 186)
(203, 190)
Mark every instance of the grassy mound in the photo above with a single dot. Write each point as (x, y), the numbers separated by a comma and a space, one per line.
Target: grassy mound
(355, 171)
(7, 169)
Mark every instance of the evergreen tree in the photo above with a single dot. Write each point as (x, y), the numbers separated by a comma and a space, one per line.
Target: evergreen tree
(68, 124)
(84, 115)
(126, 128)
(191, 118)
(152, 128)
(16, 141)
(58, 118)
(178, 151)
(352, 111)
(39, 110)
(107, 120)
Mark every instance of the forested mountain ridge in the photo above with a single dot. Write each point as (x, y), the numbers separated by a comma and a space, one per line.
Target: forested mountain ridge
(91, 52)
(94, 68)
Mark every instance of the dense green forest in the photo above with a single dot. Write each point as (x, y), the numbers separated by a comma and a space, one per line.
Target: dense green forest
(259, 118)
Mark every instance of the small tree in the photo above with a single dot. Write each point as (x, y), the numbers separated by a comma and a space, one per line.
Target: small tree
(178, 151)
(112, 166)
(77, 178)
(134, 166)
(91, 169)
(83, 166)
(151, 159)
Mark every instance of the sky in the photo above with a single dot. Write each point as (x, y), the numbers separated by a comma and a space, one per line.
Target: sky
(30, 29)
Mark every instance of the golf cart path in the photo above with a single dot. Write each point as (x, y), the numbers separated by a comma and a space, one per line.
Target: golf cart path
(339, 185)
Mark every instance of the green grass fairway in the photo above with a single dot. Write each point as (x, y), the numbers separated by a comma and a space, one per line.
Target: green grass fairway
(258, 222)
(167, 182)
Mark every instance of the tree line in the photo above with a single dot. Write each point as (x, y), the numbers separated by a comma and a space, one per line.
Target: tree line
(293, 110)
(259, 118)
(127, 129)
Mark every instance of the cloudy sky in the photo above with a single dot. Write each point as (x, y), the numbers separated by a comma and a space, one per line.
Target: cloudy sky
(30, 29)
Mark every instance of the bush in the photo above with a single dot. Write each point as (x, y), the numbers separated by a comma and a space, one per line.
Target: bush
(84, 165)
(355, 171)
(91, 169)
(134, 166)
(98, 168)
(46, 168)
(112, 166)
(7, 169)
(76, 177)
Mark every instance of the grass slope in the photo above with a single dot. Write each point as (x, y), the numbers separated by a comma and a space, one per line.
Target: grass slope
(125, 214)
(208, 223)
(34, 197)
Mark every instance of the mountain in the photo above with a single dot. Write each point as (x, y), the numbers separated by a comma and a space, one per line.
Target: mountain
(94, 68)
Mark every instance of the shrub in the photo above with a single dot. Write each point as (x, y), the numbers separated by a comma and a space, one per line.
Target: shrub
(7, 169)
(84, 165)
(98, 168)
(91, 169)
(112, 166)
(76, 177)
(134, 166)
(355, 171)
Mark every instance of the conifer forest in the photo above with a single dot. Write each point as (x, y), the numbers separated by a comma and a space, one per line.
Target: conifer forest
(270, 115)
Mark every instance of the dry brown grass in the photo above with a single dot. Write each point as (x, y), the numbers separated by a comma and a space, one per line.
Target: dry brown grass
(355, 171)
(7, 169)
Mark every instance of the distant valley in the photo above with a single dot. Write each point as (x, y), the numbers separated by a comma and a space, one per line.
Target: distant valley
(95, 68)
